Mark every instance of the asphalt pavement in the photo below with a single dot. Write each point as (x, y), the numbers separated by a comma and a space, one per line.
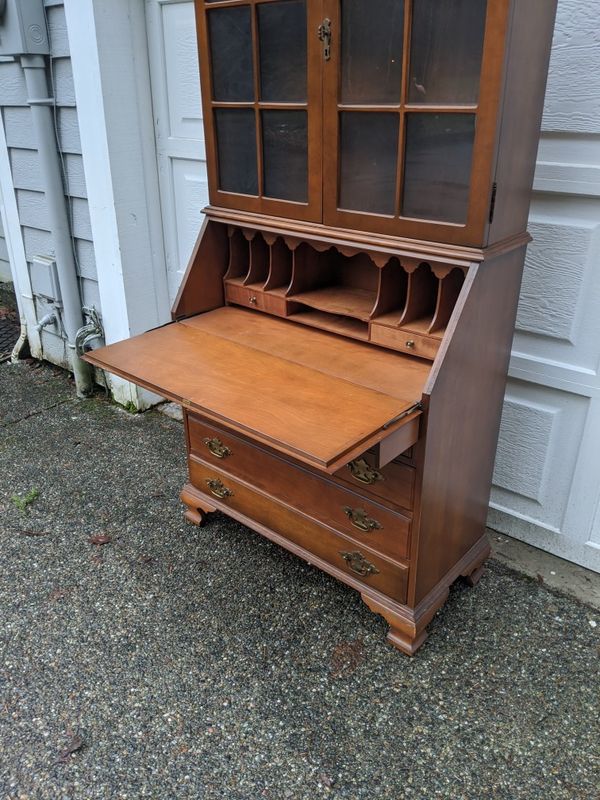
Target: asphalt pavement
(141, 657)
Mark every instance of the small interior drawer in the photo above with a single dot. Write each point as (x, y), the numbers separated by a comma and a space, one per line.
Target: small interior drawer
(356, 561)
(352, 514)
(405, 340)
(244, 295)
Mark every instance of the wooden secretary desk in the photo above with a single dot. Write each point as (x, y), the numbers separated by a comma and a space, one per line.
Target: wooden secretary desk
(341, 339)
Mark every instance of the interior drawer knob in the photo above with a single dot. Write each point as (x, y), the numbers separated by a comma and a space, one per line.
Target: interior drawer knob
(364, 472)
(358, 517)
(359, 564)
(217, 448)
(253, 300)
(218, 488)
(410, 343)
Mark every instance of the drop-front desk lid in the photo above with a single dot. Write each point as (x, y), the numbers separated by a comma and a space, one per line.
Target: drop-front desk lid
(312, 395)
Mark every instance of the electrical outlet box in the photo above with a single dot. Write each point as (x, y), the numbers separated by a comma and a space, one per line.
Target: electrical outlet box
(23, 28)
(44, 279)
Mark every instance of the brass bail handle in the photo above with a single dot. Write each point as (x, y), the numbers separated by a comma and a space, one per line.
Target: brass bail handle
(359, 564)
(324, 34)
(358, 517)
(218, 488)
(217, 448)
(363, 472)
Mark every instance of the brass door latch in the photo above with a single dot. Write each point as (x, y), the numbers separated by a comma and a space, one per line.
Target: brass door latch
(324, 34)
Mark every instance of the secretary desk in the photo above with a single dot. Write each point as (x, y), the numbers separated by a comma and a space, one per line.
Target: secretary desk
(341, 338)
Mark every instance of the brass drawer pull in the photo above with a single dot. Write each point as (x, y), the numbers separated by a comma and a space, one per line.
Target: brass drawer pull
(217, 448)
(358, 517)
(410, 344)
(359, 564)
(218, 489)
(364, 472)
(253, 300)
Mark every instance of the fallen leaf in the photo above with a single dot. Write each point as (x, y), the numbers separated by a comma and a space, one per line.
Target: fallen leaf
(34, 533)
(540, 578)
(100, 539)
(74, 744)
(346, 657)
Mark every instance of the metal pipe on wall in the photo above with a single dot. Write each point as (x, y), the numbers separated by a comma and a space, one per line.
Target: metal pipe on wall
(34, 68)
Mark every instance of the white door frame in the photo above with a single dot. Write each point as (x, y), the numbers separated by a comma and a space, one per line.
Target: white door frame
(109, 56)
(176, 143)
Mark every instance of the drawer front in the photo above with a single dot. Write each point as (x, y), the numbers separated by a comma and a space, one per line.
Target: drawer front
(244, 296)
(393, 483)
(353, 515)
(355, 560)
(408, 342)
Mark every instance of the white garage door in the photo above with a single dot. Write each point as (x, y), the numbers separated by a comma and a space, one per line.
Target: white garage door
(548, 464)
(547, 479)
(178, 128)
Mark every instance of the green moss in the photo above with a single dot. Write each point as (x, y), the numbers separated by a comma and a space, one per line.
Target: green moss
(22, 501)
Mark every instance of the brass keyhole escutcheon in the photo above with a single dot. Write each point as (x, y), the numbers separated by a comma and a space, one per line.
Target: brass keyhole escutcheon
(218, 488)
(358, 517)
(363, 472)
(324, 34)
(217, 448)
(410, 343)
(359, 564)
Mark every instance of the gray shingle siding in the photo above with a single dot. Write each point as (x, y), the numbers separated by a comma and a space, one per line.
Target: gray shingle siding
(20, 139)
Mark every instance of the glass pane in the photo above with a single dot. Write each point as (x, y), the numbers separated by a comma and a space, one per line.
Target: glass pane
(369, 160)
(230, 35)
(285, 153)
(437, 167)
(371, 42)
(446, 50)
(236, 150)
(282, 41)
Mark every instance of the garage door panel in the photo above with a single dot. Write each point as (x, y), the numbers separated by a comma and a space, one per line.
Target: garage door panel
(538, 448)
(181, 70)
(561, 289)
(190, 190)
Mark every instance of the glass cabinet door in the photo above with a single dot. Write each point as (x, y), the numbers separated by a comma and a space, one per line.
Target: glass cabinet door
(261, 88)
(409, 106)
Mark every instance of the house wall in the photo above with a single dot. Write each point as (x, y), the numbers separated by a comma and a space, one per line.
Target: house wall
(4, 263)
(23, 158)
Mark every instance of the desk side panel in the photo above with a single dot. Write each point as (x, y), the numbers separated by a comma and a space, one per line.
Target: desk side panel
(202, 285)
(463, 403)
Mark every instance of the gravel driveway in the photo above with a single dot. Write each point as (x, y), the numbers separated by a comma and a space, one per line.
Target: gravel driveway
(141, 657)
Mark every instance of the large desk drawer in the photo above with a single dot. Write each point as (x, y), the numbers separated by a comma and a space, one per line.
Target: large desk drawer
(353, 559)
(331, 503)
(393, 483)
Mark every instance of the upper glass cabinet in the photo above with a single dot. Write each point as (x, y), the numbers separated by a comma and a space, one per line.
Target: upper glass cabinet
(379, 115)
(262, 98)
